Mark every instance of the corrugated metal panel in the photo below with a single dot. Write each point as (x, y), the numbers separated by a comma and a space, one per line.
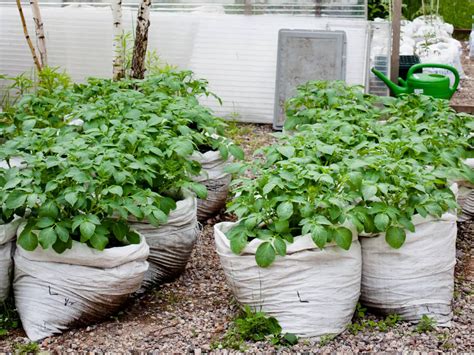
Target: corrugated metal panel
(236, 53)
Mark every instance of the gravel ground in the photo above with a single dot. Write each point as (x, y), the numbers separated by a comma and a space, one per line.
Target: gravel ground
(194, 311)
(465, 93)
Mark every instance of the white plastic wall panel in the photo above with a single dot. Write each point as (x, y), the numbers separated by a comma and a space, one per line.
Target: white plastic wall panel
(235, 53)
(78, 39)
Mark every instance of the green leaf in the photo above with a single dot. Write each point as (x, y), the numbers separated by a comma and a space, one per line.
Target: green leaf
(99, 241)
(199, 189)
(12, 183)
(224, 152)
(71, 198)
(119, 229)
(381, 221)
(233, 168)
(62, 233)
(238, 242)
(45, 222)
(343, 237)
(395, 237)
(265, 254)
(134, 210)
(133, 114)
(285, 210)
(287, 151)
(368, 191)
(47, 237)
(116, 190)
(406, 223)
(280, 246)
(236, 152)
(15, 200)
(28, 240)
(282, 226)
(87, 230)
(160, 216)
(48, 209)
(133, 237)
(320, 236)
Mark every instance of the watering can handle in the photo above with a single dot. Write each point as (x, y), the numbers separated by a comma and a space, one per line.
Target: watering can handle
(442, 66)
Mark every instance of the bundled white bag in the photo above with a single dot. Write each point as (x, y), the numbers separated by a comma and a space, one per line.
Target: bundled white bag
(311, 292)
(7, 234)
(54, 292)
(416, 279)
(171, 244)
(216, 181)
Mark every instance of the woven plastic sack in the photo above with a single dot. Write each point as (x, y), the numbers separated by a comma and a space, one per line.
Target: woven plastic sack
(7, 235)
(311, 292)
(171, 244)
(216, 181)
(54, 292)
(418, 278)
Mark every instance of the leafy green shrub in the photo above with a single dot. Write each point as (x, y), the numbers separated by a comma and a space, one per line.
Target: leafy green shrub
(356, 164)
(254, 326)
(130, 157)
(426, 324)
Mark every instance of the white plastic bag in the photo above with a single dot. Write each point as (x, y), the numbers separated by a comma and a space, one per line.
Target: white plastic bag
(7, 234)
(171, 244)
(416, 279)
(54, 292)
(216, 181)
(311, 292)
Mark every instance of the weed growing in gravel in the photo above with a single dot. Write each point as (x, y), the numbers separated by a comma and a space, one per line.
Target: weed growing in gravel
(254, 326)
(326, 339)
(368, 324)
(8, 318)
(27, 348)
(426, 324)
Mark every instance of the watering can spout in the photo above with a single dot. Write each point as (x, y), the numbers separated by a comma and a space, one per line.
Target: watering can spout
(397, 90)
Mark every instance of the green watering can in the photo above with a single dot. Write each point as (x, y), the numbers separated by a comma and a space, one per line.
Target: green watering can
(435, 85)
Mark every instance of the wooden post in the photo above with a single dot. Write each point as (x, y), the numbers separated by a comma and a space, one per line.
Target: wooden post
(27, 36)
(395, 59)
(39, 29)
(141, 40)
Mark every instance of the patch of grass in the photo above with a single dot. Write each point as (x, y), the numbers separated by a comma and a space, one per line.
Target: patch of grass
(254, 326)
(8, 318)
(363, 324)
(426, 324)
(26, 348)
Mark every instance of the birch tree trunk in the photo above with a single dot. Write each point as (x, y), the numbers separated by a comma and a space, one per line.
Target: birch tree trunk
(39, 29)
(118, 64)
(27, 36)
(141, 40)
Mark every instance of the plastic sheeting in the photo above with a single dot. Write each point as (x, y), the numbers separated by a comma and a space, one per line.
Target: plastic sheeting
(311, 292)
(236, 53)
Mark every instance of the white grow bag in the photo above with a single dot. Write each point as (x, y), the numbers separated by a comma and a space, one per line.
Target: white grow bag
(171, 244)
(311, 292)
(216, 181)
(7, 234)
(418, 278)
(54, 292)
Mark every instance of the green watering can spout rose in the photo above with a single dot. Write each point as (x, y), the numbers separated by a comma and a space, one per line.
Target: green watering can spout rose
(435, 85)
